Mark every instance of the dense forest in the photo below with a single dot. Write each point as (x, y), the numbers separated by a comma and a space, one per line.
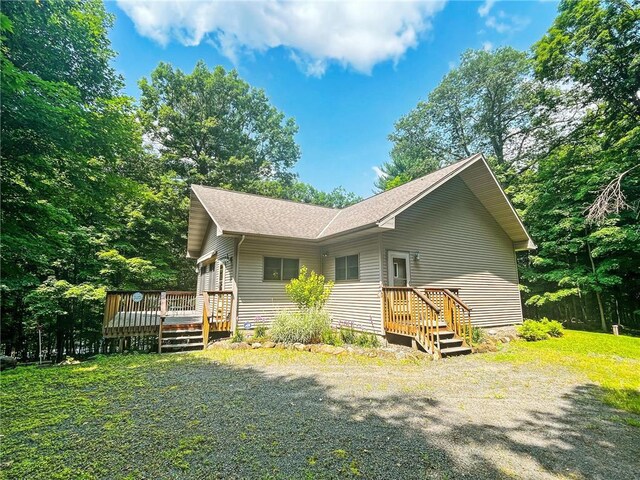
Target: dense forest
(561, 126)
(95, 185)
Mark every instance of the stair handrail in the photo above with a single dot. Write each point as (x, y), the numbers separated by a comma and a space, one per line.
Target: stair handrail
(430, 339)
(423, 315)
(205, 320)
(457, 316)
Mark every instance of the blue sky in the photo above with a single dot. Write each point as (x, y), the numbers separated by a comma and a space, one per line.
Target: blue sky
(345, 72)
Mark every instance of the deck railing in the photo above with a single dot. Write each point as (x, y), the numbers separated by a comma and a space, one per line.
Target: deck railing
(219, 303)
(453, 311)
(129, 313)
(407, 311)
(180, 304)
(205, 319)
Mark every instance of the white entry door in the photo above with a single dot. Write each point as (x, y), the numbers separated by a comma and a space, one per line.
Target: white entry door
(399, 269)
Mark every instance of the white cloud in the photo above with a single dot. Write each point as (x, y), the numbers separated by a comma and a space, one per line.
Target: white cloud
(487, 46)
(505, 23)
(379, 172)
(357, 34)
(486, 7)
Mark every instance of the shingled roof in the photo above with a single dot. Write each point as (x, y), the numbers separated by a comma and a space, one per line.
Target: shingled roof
(248, 214)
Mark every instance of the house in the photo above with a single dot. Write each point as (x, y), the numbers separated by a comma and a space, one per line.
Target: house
(437, 252)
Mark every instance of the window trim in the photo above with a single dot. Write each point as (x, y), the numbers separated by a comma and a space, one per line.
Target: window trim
(281, 279)
(346, 279)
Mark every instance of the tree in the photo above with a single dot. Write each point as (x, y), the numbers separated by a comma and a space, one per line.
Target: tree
(72, 163)
(304, 193)
(64, 42)
(490, 103)
(596, 43)
(212, 127)
(588, 247)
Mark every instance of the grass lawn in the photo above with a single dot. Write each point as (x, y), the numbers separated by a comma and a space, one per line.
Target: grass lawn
(532, 410)
(609, 361)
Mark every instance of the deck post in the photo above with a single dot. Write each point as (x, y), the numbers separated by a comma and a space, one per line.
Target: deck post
(160, 335)
(414, 344)
(163, 305)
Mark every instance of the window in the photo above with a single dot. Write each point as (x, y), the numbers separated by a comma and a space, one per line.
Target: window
(347, 268)
(276, 268)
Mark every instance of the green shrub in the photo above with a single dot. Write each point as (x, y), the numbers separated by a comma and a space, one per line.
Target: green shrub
(305, 326)
(348, 335)
(532, 330)
(309, 290)
(368, 340)
(554, 328)
(331, 337)
(477, 335)
(260, 332)
(237, 337)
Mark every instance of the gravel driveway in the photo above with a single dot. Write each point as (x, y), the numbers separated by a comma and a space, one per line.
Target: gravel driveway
(276, 414)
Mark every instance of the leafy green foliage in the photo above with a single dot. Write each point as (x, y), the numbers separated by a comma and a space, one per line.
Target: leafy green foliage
(87, 204)
(331, 336)
(348, 335)
(368, 340)
(595, 43)
(303, 326)
(303, 192)
(309, 290)
(237, 336)
(558, 127)
(490, 103)
(554, 328)
(533, 330)
(85, 208)
(214, 128)
(477, 335)
(260, 332)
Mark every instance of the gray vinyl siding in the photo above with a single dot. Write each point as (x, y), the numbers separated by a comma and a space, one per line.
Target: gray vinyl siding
(224, 246)
(356, 303)
(259, 300)
(461, 246)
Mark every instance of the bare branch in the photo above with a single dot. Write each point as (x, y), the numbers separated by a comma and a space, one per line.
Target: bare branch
(610, 200)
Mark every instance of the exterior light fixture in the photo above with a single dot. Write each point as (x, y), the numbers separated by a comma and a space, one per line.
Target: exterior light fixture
(416, 256)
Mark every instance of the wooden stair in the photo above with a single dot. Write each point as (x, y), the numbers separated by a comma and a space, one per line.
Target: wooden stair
(181, 337)
(448, 344)
(436, 319)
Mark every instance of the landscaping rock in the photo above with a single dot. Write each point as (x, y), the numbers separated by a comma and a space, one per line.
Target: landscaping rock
(7, 362)
(268, 345)
(69, 361)
(299, 346)
(240, 346)
(326, 349)
(256, 345)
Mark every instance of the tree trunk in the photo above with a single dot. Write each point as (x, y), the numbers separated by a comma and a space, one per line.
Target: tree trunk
(603, 322)
(59, 340)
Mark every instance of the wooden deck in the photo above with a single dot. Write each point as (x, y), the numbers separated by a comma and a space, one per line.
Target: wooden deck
(150, 313)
